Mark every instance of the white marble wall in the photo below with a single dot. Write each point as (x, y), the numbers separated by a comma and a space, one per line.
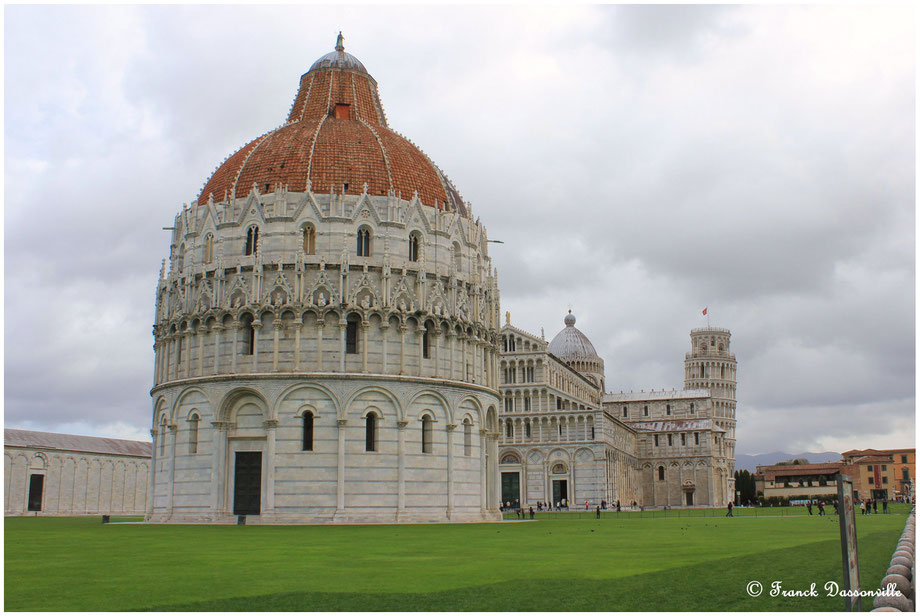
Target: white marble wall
(75, 483)
(338, 481)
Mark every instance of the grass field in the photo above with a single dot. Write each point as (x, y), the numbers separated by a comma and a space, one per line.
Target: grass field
(561, 563)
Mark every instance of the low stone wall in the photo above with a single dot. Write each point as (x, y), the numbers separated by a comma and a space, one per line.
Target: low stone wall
(901, 573)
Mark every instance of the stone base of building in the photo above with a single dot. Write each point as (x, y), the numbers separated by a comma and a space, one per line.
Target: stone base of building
(334, 517)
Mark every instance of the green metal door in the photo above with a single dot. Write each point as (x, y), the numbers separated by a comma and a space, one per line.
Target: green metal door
(511, 488)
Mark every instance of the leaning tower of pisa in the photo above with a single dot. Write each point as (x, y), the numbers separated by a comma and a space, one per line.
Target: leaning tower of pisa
(711, 365)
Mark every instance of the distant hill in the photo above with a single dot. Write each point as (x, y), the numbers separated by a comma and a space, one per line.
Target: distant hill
(746, 462)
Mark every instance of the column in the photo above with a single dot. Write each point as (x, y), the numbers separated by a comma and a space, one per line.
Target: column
(201, 336)
(269, 427)
(436, 339)
(484, 482)
(450, 469)
(401, 473)
(343, 325)
(234, 352)
(421, 347)
(452, 336)
(256, 335)
(277, 324)
(364, 326)
(298, 329)
(402, 348)
(320, 326)
(217, 330)
(171, 457)
(218, 463)
(340, 474)
(151, 476)
(384, 331)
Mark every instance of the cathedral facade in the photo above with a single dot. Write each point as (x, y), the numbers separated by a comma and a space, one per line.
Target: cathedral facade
(326, 331)
(564, 438)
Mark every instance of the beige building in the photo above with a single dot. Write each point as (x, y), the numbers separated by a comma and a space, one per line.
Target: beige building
(798, 481)
(65, 474)
(886, 474)
(564, 437)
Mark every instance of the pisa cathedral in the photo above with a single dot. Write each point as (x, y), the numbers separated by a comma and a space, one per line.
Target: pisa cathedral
(564, 438)
(328, 349)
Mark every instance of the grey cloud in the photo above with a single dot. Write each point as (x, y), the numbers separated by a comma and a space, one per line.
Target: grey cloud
(639, 162)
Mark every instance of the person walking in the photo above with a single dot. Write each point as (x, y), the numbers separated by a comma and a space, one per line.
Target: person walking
(729, 514)
(874, 505)
(820, 507)
(618, 505)
(531, 512)
(808, 504)
(885, 506)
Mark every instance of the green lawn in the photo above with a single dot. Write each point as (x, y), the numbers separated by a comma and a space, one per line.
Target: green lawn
(553, 564)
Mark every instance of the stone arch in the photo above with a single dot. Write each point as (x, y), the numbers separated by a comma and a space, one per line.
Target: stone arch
(491, 419)
(232, 399)
(188, 391)
(448, 411)
(398, 410)
(160, 408)
(38, 462)
(289, 393)
(509, 456)
(477, 418)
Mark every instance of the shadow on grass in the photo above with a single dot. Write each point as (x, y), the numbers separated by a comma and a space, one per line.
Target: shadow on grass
(712, 586)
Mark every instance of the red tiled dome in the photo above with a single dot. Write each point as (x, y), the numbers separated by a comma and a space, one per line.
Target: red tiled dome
(336, 136)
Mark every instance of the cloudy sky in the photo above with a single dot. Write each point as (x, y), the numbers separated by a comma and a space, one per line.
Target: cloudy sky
(640, 163)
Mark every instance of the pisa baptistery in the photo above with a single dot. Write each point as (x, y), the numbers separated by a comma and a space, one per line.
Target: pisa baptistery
(326, 329)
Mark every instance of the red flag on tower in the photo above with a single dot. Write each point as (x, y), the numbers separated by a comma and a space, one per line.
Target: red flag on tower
(705, 310)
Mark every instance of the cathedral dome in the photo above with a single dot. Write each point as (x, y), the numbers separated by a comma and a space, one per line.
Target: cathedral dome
(336, 139)
(571, 343)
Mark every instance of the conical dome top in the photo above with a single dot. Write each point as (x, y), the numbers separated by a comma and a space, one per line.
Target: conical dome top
(571, 343)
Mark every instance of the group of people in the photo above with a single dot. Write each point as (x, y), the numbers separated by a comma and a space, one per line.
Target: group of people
(870, 505)
(820, 507)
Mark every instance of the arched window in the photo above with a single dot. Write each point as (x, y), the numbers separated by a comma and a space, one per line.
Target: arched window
(309, 240)
(364, 242)
(248, 334)
(467, 437)
(370, 432)
(625, 412)
(527, 429)
(252, 239)
(660, 473)
(668, 409)
(413, 246)
(426, 434)
(208, 248)
(692, 409)
(645, 410)
(592, 433)
(458, 257)
(425, 345)
(509, 429)
(181, 257)
(307, 441)
(193, 434)
(351, 334)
